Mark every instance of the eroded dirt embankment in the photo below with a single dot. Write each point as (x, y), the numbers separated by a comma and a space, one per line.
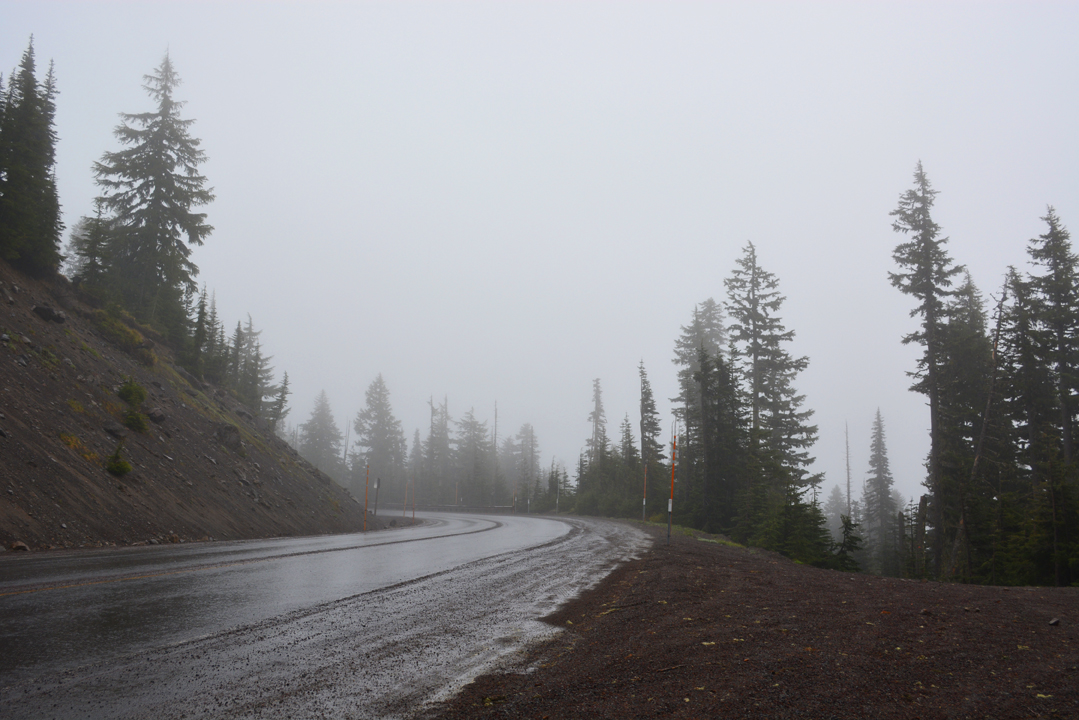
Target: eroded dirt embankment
(204, 468)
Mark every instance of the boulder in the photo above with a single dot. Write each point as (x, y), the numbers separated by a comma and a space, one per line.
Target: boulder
(228, 435)
(47, 314)
(115, 429)
(19, 545)
(157, 415)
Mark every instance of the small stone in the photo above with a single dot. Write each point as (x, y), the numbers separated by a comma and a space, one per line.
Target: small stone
(1054, 622)
(926, 611)
(19, 545)
(67, 361)
(5, 338)
(63, 525)
(2, 433)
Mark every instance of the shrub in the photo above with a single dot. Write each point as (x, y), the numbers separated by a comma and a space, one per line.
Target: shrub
(116, 331)
(132, 393)
(116, 463)
(136, 421)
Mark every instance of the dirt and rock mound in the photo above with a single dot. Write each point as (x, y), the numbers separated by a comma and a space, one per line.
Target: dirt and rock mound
(704, 630)
(203, 466)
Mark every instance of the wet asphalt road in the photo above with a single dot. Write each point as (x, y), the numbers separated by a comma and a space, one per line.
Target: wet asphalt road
(347, 626)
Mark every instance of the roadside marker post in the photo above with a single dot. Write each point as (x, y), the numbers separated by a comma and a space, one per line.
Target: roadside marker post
(378, 481)
(366, 487)
(670, 502)
(644, 496)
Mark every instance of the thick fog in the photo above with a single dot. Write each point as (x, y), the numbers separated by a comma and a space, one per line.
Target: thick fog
(499, 202)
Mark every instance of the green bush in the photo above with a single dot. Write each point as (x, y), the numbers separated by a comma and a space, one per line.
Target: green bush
(116, 463)
(136, 421)
(132, 393)
(116, 332)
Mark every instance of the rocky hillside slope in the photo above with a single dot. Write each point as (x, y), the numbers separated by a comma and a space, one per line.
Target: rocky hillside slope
(203, 467)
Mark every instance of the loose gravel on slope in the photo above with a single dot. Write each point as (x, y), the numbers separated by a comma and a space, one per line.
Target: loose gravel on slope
(699, 629)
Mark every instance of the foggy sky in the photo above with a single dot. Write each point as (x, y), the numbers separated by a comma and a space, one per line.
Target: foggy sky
(499, 202)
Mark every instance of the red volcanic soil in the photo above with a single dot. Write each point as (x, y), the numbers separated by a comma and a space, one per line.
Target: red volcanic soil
(701, 629)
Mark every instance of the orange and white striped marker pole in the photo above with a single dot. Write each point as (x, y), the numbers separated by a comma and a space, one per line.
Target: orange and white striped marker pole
(366, 485)
(670, 502)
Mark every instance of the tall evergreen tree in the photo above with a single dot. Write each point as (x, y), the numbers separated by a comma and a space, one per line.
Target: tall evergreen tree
(774, 512)
(528, 460)
(380, 442)
(965, 369)
(153, 187)
(87, 252)
(925, 273)
(30, 225)
(598, 443)
(473, 452)
(279, 409)
(651, 447)
(438, 457)
(320, 439)
(879, 507)
(1057, 295)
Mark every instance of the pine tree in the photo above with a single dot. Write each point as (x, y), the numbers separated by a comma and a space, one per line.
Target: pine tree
(879, 507)
(627, 444)
(87, 253)
(152, 188)
(30, 225)
(723, 442)
(415, 468)
(965, 369)
(835, 507)
(651, 447)
(438, 457)
(320, 439)
(280, 409)
(473, 451)
(380, 442)
(926, 273)
(598, 444)
(1057, 295)
(528, 460)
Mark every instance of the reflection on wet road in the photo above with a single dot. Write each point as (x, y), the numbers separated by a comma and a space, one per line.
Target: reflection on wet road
(338, 626)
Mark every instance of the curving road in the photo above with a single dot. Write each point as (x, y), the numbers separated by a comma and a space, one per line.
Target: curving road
(337, 626)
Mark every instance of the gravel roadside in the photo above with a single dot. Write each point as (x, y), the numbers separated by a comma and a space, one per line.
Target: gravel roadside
(702, 629)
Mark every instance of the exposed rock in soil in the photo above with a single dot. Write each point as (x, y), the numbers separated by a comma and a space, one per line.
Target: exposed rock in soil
(62, 420)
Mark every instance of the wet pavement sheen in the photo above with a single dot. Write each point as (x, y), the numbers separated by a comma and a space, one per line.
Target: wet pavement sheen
(335, 626)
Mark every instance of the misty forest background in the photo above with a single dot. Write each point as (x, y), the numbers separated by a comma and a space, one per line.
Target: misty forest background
(1001, 502)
